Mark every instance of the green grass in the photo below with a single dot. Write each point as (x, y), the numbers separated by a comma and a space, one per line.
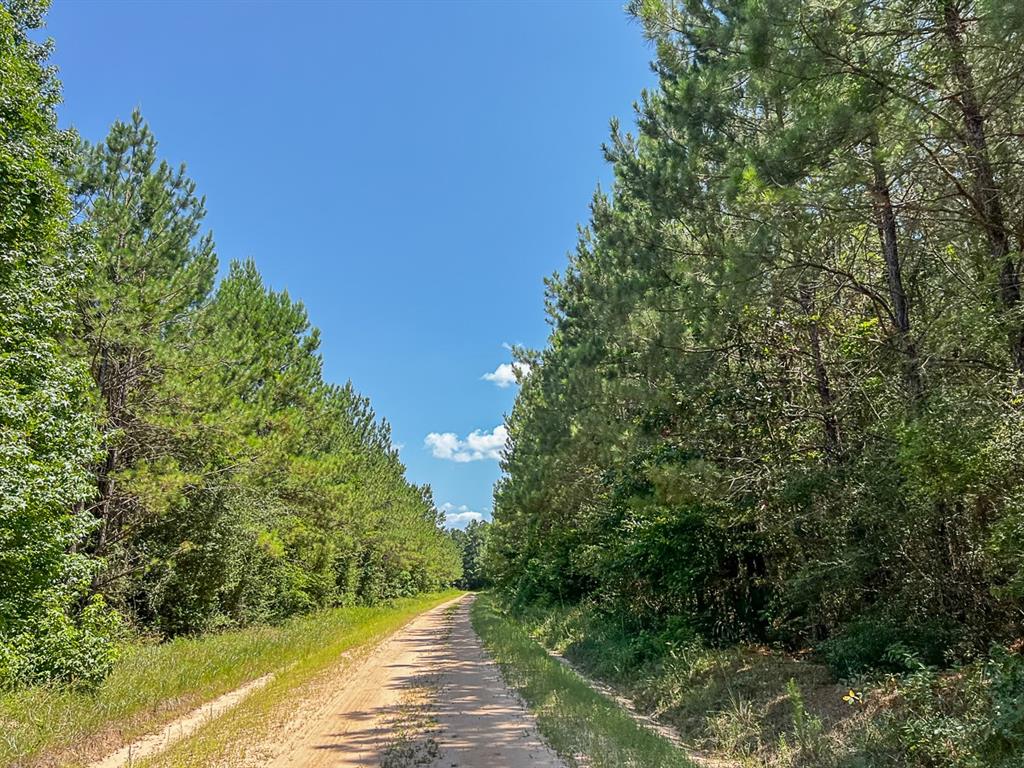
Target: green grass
(582, 725)
(230, 738)
(152, 684)
(734, 701)
(757, 707)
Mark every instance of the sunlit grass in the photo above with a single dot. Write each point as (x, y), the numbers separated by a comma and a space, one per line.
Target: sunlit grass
(152, 684)
(582, 725)
(230, 739)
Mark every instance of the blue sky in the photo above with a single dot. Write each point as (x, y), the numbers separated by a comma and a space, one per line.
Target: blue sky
(410, 171)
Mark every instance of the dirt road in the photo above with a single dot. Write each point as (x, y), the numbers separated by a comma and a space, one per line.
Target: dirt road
(428, 696)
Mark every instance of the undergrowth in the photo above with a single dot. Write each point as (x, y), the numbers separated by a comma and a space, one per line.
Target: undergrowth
(584, 727)
(759, 707)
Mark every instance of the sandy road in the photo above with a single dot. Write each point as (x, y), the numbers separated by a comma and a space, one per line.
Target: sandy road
(428, 696)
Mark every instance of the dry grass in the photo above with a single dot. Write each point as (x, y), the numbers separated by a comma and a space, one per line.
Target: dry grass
(153, 684)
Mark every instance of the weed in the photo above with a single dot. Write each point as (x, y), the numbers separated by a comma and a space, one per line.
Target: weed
(153, 683)
(583, 726)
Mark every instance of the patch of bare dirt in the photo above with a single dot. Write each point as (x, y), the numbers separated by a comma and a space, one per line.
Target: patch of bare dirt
(427, 696)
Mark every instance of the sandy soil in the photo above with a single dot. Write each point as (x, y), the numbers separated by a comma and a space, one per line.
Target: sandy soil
(428, 696)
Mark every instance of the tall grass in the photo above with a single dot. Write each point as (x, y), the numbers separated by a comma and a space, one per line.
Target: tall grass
(582, 725)
(755, 706)
(152, 684)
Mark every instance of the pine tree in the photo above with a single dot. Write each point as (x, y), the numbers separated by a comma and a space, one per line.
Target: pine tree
(778, 400)
(153, 268)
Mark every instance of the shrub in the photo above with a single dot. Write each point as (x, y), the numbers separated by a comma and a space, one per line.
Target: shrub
(869, 644)
(58, 645)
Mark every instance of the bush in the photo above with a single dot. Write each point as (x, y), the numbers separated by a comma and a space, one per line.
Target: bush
(968, 717)
(58, 646)
(1005, 673)
(867, 645)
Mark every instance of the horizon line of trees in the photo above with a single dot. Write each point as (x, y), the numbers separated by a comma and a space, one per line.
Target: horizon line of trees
(783, 395)
(172, 460)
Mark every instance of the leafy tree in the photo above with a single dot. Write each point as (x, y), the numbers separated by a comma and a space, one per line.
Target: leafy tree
(780, 398)
(46, 433)
(237, 485)
(205, 475)
(472, 544)
(281, 494)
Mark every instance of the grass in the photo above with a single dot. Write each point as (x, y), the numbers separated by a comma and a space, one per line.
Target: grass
(582, 725)
(153, 684)
(232, 738)
(757, 707)
(743, 703)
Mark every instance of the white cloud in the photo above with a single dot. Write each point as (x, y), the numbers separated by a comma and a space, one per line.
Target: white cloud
(505, 374)
(442, 444)
(475, 447)
(459, 517)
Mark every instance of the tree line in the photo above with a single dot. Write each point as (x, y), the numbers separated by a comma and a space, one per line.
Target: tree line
(472, 546)
(171, 457)
(783, 394)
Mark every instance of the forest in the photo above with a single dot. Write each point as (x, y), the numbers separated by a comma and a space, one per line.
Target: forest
(172, 460)
(782, 400)
(764, 480)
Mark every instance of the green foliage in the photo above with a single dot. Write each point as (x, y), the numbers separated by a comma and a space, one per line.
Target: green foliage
(238, 486)
(781, 397)
(229, 483)
(968, 718)
(46, 433)
(472, 544)
(873, 644)
(64, 644)
(807, 728)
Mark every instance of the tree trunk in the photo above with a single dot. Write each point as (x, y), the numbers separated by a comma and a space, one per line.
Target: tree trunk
(110, 380)
(987, 204)
(829, 422)
(885, 220)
